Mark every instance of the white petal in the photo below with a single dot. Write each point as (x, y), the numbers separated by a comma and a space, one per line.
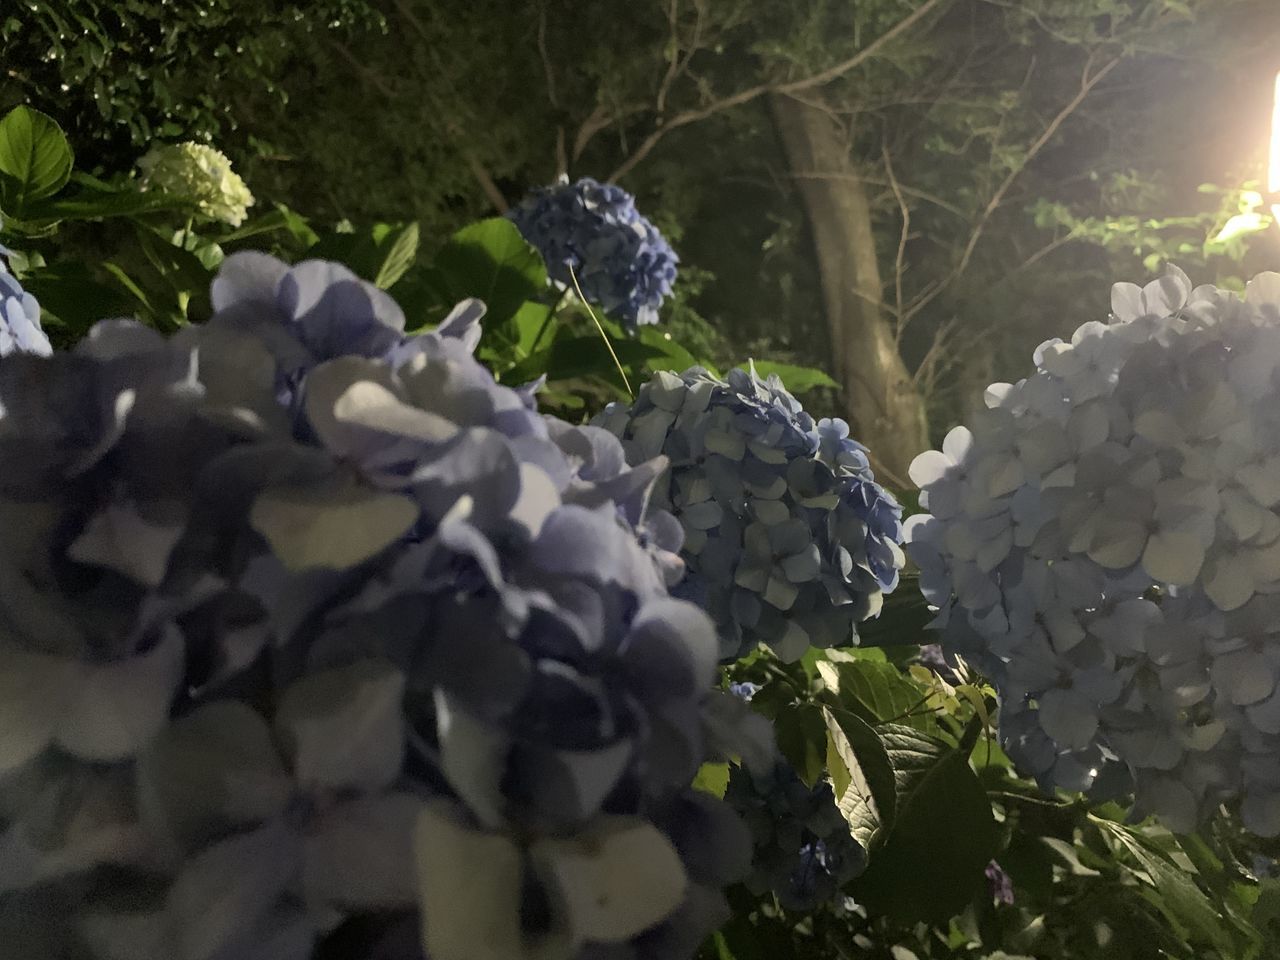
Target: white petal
(330, 527)
(473, 758)
(1262, 480)
(1126, 301)
(119, 539)
(215, 768)
(344, 727)
(1228, 580)
(616, 881)
(1116, 544)
(1173, 558)
(929, 467)
(121, 706)
(957, 444)
(35, 690)
(1068, 718)
(1244, 677)
(538, 498)
(470, 885)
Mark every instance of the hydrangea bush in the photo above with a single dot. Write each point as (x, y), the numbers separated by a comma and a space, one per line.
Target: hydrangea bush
(1104, 542)
(802, 849)
(620, 260)
(311, 630)
(788, 538)
(202, 174)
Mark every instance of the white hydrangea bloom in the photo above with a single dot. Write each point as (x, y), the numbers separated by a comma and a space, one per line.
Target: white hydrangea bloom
(1104, 542)
(201, 173)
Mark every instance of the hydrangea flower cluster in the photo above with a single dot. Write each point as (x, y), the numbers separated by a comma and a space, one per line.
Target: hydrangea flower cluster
(200, 173)
(621, 261)
(1104, 542)
(803, 851)
(788, 538)
(20, 330)
(312, 633)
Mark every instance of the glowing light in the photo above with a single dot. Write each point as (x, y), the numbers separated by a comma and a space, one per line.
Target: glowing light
(1273, 171)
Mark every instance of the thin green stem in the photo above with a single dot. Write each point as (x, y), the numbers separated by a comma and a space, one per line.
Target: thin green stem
(599, 326)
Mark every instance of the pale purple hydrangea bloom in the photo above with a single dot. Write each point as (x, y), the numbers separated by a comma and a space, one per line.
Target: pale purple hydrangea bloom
(302, 622)
(621, 261)
(20, 330)
(1103, 541)
(789, 540)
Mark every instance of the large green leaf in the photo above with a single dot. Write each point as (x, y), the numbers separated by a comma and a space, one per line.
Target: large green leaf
(802, 736)
(492, 261)
(68, 291)
(794, 378)
(582, 356)
(35, 159)
(930, 862)
(401, 247)
(862, 775)
(102, 205)
(1172, 890)
(877, 691)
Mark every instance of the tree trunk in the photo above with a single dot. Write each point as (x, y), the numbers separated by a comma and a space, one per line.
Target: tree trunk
(883, 406)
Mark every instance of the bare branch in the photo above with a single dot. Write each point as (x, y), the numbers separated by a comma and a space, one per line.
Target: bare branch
(491, 191)
(909, 191)
(1087, 84)
(902, 243)
(562, 160)
(794, 86)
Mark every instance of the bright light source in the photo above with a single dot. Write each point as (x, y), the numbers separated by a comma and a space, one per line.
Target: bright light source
(1273, 172)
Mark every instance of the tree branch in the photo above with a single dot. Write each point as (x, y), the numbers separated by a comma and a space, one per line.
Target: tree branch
(794, 86)
(1087, 84)
(901, 323)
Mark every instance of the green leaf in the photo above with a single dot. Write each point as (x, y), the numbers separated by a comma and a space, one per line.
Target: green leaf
(401, 249)
(902, 619)
(802, 740)
(35, 159)
(712, 778)
(101, 206)
(931, 861)
(878, 692)
(865, 788)
(69, 292)
(578, 357)
(796, 379)
(492, 261)
(1176, 894)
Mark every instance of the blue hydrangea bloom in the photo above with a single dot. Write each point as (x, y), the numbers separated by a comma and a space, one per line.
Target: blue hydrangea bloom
(20, 330)
(789, 540)
(621, 261)
(1103, 542)
(803, 851)
(302, 621)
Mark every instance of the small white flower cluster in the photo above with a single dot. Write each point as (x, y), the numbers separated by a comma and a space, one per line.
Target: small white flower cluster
(1104, 542)
(201, 173)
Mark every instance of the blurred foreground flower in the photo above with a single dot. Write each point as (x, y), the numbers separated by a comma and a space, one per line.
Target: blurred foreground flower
(789, 540)
(1104, 543)
(621, 261)
(305, 623)
(201, 174)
